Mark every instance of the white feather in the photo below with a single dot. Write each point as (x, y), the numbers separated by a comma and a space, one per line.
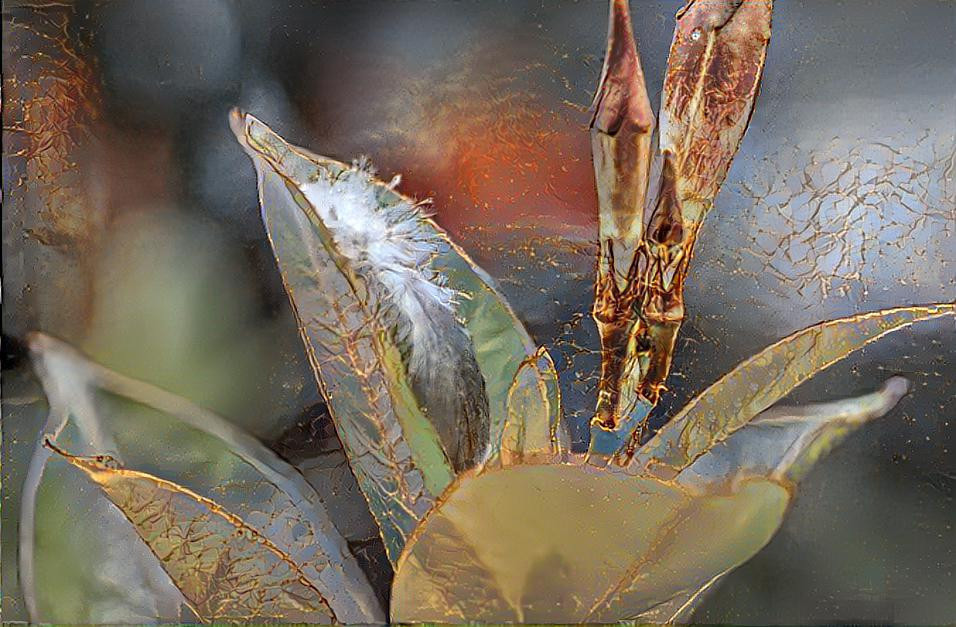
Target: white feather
(388, 242)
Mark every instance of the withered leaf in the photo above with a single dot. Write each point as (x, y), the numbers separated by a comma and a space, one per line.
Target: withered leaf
(621, 145)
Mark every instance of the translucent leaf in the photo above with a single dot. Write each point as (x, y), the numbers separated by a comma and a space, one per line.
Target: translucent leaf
(572, 543)
(533, 426)
(225, 568)
(760, 381)
(63, 522)
(713, 75)
(500, 341)
(403, 386)
(679, 608)
(784, 442)
(394, 450)
(95, 410)
(714, 533)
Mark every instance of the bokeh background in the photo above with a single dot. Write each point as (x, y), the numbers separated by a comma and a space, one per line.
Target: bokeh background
(131, 229)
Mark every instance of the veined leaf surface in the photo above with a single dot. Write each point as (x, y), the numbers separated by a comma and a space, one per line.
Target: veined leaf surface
(98, 411)
(405, 431)
(500, 340)
(713, 76)
(760, 381)
(225, 568)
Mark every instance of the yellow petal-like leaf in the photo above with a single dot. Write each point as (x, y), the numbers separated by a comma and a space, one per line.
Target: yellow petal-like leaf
(533, 425)
(570, 543)
(760, 381)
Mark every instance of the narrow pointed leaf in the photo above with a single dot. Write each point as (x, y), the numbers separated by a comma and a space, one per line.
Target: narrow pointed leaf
(225, 568)
(500, 341)
(785, 442)
(95, 410)
(713, 75)
(393, 449)
(760, 381)
(533, 425)
(622, 152)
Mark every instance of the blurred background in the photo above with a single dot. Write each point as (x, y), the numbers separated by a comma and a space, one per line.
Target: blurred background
(131, 229)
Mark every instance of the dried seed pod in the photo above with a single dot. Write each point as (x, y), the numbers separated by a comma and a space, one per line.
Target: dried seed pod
(713, 76)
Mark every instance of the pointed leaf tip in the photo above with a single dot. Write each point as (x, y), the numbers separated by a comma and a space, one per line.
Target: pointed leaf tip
(783, 443)
(756, 384)
(621, 100)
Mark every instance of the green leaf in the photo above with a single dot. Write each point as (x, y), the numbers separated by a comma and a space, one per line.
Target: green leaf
(407, 414)
(753, 386)
(97, 411)
(225, 568)
(501, 342)
(573, 543)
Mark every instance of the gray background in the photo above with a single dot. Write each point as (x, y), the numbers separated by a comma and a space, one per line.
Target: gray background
(841, 200)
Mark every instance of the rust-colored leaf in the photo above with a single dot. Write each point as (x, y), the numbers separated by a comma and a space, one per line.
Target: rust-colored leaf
(621, 132)
(713, 76)
(621, 148)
